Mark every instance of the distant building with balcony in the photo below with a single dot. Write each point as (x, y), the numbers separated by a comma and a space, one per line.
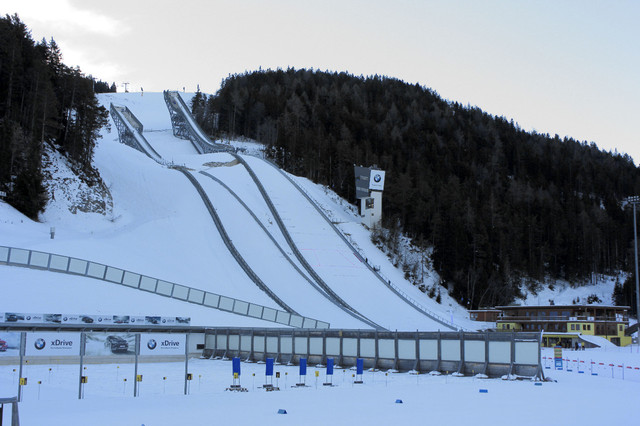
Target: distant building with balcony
(566, 324)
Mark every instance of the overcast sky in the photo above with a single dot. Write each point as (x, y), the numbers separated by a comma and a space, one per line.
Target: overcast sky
(570, 68)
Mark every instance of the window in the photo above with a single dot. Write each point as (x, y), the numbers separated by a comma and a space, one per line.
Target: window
(620, 327)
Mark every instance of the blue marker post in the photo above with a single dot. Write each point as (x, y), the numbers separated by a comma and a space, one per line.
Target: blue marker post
(329, 379)
(235, 365)
(269, 375)
(303, 373)
(359, 371)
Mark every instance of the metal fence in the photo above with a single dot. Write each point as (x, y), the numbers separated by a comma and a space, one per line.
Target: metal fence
(492, 354)
(74, 266)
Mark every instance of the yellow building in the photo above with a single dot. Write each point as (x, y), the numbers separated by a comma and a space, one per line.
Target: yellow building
(565, 324)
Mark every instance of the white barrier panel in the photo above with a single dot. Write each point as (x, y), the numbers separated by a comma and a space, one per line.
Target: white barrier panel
(450, 350)
(428, 349)
(474, 350)
(407, 349)
(500, 352)
(41, 260)
(245, 343)
(9, 343)
(301, 345)
(286, 345)
(258, 343)
(52, 344)
(272, 344)
(162, 344)
(350, 347)
(221, 342)
(526, 353)
(234, 342)
(387, 348)
(368, 348)
(315, 346)
(333, 346)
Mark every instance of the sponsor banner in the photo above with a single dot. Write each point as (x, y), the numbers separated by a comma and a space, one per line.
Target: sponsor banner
(376, 180)
(106, 344)
(79, 319)
(9, 343)
(162, 344)
(104, 319)
(137, 320)
(121, 319)
(52, 344)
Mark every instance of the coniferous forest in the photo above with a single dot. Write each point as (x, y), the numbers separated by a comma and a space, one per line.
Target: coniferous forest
(500, 206)
(42, 101)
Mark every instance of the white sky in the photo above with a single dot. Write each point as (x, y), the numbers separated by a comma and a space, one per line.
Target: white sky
(565, 67)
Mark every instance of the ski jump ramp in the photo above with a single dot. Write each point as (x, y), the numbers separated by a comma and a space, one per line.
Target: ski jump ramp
(326, 255)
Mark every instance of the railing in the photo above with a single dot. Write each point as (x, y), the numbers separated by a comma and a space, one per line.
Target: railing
(492, 354)
(185, 127)
(70, 265)
(130, 132)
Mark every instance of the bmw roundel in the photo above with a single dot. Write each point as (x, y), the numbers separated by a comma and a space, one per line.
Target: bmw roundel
(39, 344)
(151, 344)
(377, 178)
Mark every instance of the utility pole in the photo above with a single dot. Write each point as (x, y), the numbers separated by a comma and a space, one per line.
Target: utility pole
(635, 200)
(126, 88)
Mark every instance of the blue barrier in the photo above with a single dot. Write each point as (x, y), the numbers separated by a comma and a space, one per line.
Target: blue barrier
(236, 366)
(303, 366)
(269, 367)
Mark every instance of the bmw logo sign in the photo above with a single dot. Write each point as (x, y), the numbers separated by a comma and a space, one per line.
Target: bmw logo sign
(99, 319)
(151, 344)
(39, 344)
(28, 317)
(377, 178)
(64, 319)
(164, 320)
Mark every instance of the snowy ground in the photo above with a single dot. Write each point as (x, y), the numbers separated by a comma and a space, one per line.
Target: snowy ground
(573, 398)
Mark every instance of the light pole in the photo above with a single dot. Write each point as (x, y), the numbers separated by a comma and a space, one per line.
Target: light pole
(635, 200)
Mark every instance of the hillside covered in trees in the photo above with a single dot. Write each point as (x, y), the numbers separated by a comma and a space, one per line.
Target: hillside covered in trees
(497, 204)
(42, 101)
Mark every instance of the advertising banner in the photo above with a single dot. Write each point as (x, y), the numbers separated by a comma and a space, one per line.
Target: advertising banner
(376, 180)
(9, 343)
(25, 318)
(52, 344)
(106, 344)
(162, 344)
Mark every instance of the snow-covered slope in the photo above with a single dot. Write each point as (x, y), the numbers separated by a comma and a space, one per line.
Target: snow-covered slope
(157, 225)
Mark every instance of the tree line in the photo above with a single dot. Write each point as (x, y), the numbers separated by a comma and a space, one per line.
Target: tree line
(500, 206)
(42, 101)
